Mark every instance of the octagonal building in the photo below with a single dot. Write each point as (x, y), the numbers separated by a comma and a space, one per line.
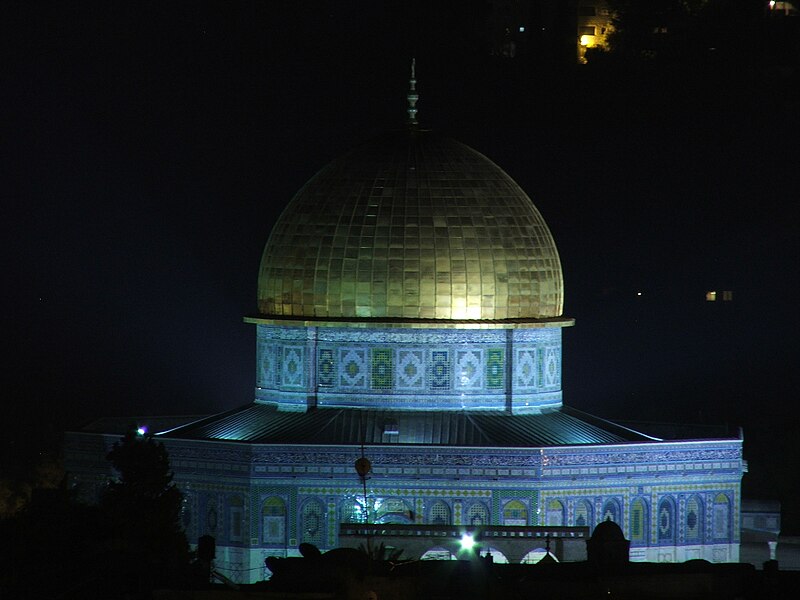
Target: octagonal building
(409, 312)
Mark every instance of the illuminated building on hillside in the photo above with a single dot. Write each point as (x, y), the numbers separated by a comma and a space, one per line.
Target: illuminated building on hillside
(594, 25)
(410, 311)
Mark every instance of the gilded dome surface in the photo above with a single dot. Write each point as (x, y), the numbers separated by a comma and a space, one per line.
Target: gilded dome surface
(411, 225)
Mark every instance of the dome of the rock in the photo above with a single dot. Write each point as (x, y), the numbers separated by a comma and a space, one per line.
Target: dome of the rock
(411, 226)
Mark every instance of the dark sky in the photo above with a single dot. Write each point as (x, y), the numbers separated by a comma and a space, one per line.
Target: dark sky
(147, 149)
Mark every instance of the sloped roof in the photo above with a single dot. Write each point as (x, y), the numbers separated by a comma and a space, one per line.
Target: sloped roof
(264, 424)
(119, 425)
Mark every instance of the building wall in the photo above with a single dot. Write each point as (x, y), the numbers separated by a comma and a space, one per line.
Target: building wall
(260, 500)
(675, 501)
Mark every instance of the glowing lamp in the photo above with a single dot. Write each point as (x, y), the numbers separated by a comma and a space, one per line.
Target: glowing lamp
(587, 40)
(467, 541)
(141, 431)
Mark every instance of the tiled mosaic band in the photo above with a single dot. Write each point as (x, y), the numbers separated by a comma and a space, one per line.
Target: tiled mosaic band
(442, 369)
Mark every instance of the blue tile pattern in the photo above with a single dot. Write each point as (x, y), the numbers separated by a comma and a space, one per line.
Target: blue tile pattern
(428, 369)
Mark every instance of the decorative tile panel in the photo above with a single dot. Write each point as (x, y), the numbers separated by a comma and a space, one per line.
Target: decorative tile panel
(525, 369)
(353, 368)
(440, 370)
(292, 367)
(267, 365)
(410, 370)
(495, 368)
(469, 371)
(552, 367)
(382, 361)
(326, 368)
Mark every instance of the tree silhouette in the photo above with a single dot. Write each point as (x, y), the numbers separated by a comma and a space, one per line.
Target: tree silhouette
(142, 508)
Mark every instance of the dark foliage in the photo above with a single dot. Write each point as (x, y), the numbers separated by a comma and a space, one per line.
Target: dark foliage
(142, 510)
(56, 537)
(128, 546)
(686, 30)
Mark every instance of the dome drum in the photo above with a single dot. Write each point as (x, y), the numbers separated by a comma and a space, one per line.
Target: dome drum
(509, 370)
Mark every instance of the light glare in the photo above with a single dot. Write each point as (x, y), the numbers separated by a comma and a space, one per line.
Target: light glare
(467, 541)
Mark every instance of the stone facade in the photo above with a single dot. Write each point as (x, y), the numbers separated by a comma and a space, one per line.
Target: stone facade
(675, 501)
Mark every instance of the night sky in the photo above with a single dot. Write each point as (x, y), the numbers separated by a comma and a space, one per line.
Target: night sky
(148, 148)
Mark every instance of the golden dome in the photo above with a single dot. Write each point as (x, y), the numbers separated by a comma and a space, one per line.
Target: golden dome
(411, 226)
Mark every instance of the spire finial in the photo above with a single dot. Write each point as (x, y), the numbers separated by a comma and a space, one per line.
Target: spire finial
(412, 96)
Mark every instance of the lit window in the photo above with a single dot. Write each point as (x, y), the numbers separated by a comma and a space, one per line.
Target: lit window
(711, 296)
